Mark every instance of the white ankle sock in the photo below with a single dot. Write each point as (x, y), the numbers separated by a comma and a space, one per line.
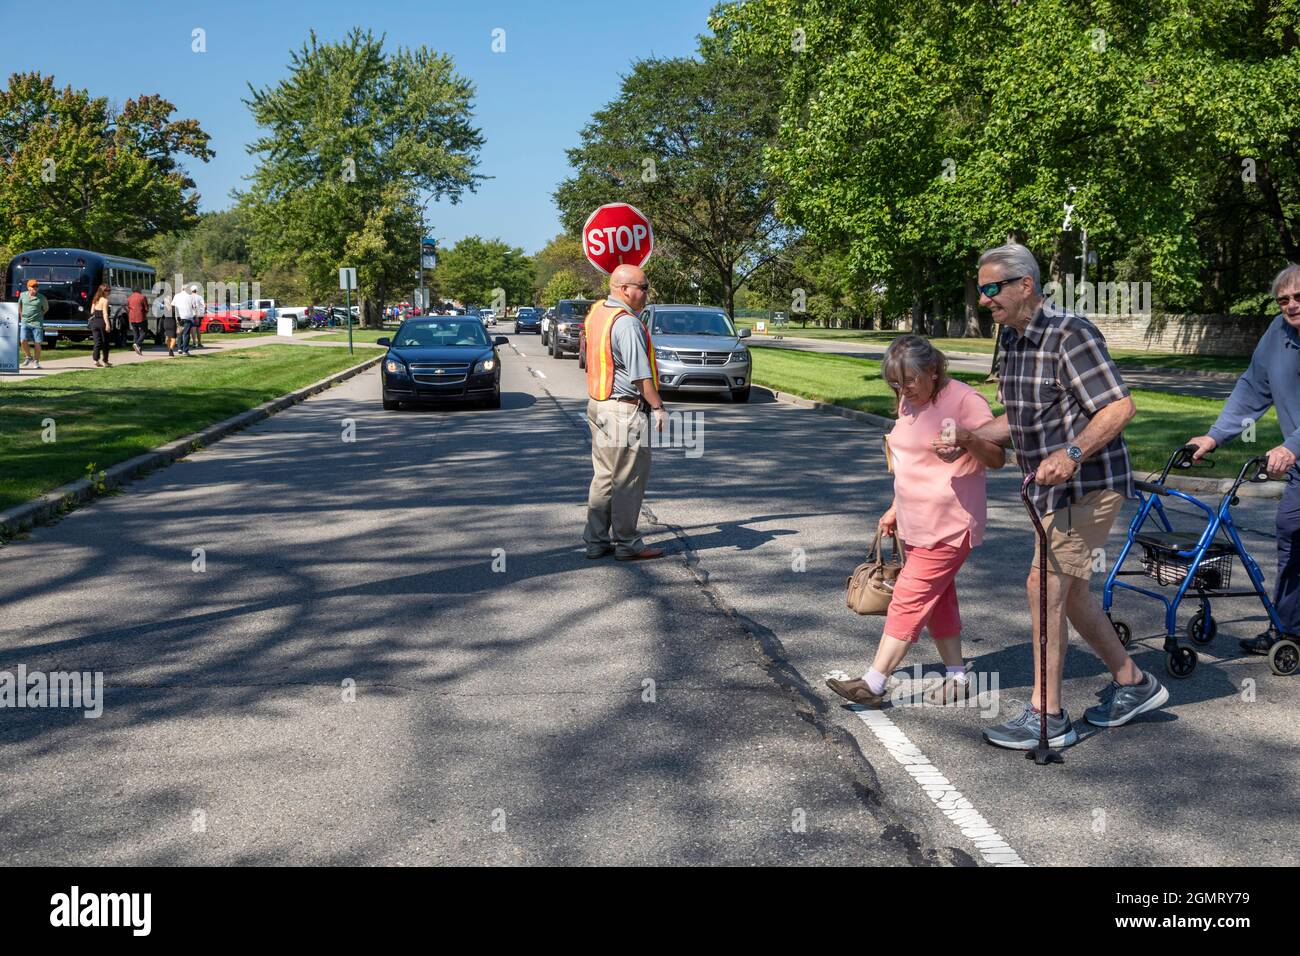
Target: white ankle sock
(959, 674)
(875, 681)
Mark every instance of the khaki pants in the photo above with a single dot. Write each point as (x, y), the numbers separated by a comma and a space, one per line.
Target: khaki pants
(620, 460)
(1077, 532)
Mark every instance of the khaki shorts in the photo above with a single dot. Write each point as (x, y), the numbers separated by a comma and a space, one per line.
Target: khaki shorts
(1074, 533)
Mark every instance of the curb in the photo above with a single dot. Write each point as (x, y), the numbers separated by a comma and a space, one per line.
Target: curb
(56, 502)
(1211, 486)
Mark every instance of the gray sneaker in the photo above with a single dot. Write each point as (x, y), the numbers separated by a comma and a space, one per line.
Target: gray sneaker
(1120, 704)
(1021, 733)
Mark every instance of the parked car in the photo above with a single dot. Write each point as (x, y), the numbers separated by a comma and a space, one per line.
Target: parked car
(217, 319)
(548, 317)
(566, 332)
(436, 359)
(528, 319)
(697, 349)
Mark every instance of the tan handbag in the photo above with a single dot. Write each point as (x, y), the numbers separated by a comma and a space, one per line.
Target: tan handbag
(871, 585)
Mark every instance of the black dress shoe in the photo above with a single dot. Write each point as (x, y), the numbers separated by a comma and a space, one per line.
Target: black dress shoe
(1260, 643)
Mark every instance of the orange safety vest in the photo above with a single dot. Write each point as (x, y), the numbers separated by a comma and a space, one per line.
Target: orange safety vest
(599, 329)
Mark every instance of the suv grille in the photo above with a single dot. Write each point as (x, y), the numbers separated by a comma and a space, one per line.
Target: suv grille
(703, 358)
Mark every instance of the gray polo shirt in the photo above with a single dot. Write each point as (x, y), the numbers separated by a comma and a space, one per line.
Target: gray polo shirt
(1273, 378)
(631, 360)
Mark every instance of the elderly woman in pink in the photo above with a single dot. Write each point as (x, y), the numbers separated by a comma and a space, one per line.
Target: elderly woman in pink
(938, 512)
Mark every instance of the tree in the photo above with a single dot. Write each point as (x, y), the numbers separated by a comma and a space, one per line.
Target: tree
(356, 140)
(76, 172)
(683, 142)
(567, 284)
(562, 253)
(474, 269)
(914, 135)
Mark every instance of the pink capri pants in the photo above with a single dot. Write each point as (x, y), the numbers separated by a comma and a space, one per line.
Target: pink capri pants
(925, 594)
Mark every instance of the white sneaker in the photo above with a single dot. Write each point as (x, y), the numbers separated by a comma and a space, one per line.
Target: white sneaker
(27, 360)
(36, 365)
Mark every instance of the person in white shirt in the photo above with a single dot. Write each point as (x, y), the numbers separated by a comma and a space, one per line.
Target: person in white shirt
(187, 314)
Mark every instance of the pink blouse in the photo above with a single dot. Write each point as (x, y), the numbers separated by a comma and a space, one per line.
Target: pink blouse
(939, 502)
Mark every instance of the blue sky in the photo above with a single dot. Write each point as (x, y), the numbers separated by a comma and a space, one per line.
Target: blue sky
(562, 61)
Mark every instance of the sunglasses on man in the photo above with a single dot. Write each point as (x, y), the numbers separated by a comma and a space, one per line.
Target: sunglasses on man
(990, 289)
(1284, 300)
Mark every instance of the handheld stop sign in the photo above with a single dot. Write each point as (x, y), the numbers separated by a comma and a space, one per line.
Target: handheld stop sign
(615, 234)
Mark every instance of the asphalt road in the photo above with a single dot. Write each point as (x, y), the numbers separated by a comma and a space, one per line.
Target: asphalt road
(349, 680)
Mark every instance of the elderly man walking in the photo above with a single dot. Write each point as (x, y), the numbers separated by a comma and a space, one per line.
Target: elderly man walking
(1273, 378)
(1066, 407)
(621, 388)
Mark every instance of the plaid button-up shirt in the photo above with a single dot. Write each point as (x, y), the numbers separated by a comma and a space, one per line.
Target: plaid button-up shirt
(1056, 376)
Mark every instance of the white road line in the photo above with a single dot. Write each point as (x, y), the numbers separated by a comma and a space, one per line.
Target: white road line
(539, 373)
(938, 788)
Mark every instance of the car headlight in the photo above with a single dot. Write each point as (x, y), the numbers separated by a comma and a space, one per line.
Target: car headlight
(394, 367)
(563, 327)
(665, 355)
(740, 355)
(485, 365)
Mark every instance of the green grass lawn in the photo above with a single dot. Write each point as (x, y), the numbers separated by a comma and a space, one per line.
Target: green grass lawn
(106, 416)
(1163, 421)
(359, 336)
(1124, 358)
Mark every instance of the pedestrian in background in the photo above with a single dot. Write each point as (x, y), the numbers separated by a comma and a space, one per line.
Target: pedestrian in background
(622, 388)
(1273, 380)
(100, 326)
(166, 323)
(200, 309)
(939, 512)
(137, 310)
(32, 307)
(183, 308)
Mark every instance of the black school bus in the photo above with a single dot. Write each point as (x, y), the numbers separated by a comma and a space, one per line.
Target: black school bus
(68, 278)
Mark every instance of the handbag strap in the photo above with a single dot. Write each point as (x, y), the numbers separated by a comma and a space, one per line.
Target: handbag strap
(876, 555)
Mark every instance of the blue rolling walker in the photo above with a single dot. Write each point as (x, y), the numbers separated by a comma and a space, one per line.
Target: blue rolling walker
(1195, 562)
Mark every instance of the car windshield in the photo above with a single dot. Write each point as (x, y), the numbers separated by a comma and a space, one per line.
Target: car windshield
(574, 310)
(691, 322)
(441, 334)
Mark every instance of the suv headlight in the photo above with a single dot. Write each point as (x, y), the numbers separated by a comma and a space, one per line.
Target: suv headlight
(665, 355)
(563, 327)
(740, 355)
(394, 366)
(485, 365)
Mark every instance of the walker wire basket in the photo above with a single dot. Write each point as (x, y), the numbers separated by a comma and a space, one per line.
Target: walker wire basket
(1213, 574)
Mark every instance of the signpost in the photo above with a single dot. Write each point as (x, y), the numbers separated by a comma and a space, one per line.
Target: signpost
(348, 282)
(617, 234)
(8, 338)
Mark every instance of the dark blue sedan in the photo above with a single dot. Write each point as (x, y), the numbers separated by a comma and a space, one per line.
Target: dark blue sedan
(528, 319)
(441, 359)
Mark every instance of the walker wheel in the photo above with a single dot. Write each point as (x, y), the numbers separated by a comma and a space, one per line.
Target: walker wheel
(1122, 632)
(1181, 662)
(1284, 657)
(1202, 627)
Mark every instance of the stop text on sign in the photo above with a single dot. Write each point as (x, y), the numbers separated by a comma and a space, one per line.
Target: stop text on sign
(617, 238)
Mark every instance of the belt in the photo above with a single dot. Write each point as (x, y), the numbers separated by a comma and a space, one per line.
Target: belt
(628, 401)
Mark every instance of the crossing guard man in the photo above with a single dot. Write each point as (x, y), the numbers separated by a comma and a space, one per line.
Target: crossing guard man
(622, 387)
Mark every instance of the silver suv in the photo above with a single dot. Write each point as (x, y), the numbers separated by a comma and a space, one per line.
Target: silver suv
(698, 349)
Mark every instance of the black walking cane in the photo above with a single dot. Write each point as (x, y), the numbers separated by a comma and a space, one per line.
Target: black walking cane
(1042, 754)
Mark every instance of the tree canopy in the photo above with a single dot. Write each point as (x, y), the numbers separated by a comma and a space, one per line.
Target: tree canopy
(683, 142)
(76, 172)
(356, 141)
(914, 135)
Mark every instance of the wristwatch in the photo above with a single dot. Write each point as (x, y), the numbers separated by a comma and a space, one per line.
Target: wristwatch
(1075, 453)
